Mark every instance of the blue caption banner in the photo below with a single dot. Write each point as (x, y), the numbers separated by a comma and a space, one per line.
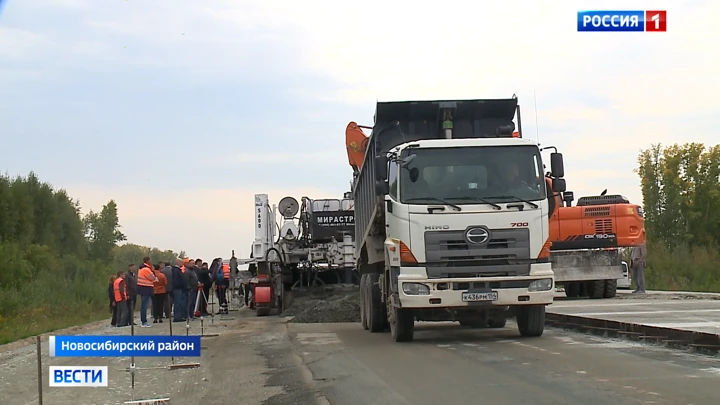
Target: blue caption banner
(611, 20)
(124, 346)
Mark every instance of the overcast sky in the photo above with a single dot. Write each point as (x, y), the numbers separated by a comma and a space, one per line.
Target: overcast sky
(182, 110)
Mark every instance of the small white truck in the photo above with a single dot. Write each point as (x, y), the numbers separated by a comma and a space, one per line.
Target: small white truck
(451, 218)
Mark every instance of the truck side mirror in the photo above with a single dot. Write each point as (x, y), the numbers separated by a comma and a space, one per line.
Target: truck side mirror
(557, 167)
(382, 187)
(568, 197)
(381, 168)
(558, 185)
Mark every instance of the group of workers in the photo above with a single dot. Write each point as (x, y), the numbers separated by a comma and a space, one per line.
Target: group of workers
(179, 291)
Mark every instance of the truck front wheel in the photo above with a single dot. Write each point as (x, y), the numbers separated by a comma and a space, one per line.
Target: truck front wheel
(376, 313)
(402, 323)
(531, 320)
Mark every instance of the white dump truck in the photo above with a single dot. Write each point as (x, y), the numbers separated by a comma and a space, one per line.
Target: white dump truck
(451, 217)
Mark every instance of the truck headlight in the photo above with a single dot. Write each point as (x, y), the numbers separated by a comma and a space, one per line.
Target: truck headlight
(541, 285)
(415, 289)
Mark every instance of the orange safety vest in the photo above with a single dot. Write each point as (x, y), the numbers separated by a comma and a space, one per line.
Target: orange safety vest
(146, 277)
(226, 271)
(120, 296)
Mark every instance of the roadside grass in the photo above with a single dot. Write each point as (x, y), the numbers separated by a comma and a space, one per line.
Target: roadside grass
(64, 292)
(683, 268)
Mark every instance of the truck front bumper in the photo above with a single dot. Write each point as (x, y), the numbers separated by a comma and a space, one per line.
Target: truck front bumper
(536, 289)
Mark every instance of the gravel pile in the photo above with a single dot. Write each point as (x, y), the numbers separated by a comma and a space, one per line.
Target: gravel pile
(332, 309)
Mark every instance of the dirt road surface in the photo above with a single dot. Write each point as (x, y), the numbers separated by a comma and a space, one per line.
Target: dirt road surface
(251, 362)
(274, 362)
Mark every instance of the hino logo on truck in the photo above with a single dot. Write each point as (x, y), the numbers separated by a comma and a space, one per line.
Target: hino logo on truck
(477, 236)
(436, 227)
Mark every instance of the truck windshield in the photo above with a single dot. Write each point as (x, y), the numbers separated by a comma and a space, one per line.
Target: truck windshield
(497, 174)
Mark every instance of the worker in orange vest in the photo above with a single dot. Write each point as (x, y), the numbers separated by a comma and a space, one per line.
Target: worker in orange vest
(145, 282)
(221, 287)
(158, 298)
(120, 297)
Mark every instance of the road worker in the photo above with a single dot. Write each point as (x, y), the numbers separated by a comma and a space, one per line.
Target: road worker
(638, 258)
(145, 282)
(131, 284)
(158, 298)
(222, 286)
(120, 296)
(111, 298)
(191, 280)
(203, 273)
(179, 292)
(167, 302)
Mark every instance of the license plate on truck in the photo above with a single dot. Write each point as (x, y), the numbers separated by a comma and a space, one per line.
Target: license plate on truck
(479, 296)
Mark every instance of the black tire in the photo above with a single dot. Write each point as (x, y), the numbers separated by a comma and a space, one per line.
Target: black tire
(597, 289)
(263, 311)
(584, 287)
(531, 320)
(363, 302)
(497, 323)
(402, 323)
(377, 314)
(572, 290)
(610, 289)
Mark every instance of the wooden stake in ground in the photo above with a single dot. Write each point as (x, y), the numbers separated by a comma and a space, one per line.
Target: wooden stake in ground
(39, 362)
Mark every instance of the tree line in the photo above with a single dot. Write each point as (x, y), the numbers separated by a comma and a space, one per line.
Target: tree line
(681, 199)
(57, 262)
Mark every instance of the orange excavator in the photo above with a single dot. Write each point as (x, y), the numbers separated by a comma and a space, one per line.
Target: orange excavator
(587, 240)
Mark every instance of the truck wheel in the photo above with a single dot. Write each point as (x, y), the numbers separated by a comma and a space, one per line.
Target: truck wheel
(402, 323)
(584, 288)
(597, 289)
(531, 320)
(363, 302)
(610, 288)
(377, 314)
(572, 290)
(497, 323)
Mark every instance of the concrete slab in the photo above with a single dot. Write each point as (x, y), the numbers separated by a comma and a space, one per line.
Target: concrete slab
(696, 315)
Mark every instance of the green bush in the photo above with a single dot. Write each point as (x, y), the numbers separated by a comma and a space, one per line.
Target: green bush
(683, 268)
(56, 262)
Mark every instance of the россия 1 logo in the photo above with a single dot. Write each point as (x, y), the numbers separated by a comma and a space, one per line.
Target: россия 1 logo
(622, 21)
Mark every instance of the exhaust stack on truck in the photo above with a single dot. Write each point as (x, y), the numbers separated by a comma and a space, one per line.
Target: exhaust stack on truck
(451, 216)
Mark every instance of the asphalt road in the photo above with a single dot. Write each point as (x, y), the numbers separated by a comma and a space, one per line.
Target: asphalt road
(267, 361)
(448, 364)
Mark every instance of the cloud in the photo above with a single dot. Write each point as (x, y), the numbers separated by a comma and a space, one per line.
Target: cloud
(261, 92)
(19, 44)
